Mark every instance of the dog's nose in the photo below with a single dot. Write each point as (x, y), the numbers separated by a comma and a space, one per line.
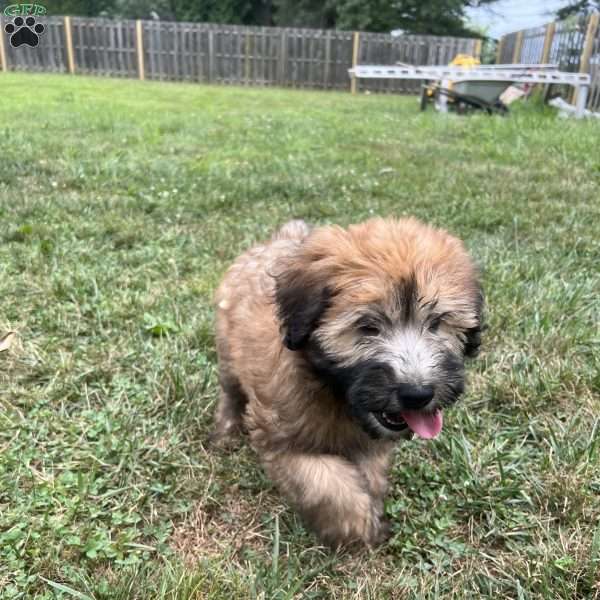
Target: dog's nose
(414, 397)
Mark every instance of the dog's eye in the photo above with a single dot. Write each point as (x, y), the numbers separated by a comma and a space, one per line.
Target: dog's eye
(437, 320)
(369, 329)
(434, 324)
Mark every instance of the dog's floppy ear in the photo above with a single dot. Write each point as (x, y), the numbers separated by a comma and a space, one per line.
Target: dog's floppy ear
(301, 301)
(473, 341)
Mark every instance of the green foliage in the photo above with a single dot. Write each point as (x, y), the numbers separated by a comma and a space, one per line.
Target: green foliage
(91, 8)
(446, 17)
(577, 7)
(414, 16)
(123, 203)
(305, 13)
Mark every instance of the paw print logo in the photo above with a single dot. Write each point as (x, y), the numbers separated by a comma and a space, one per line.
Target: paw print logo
(24, 31)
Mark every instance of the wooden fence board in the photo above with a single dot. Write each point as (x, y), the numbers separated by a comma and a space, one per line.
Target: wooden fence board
(574, 45)
(227, 54)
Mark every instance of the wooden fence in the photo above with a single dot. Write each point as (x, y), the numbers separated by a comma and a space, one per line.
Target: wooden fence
(573, 44)
(225, 54)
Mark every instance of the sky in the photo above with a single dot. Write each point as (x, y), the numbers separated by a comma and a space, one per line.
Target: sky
(506, 16)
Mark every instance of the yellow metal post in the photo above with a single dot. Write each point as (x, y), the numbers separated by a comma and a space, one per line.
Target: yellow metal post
(477, 49)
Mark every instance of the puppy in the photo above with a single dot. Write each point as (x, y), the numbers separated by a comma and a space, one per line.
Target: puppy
(335, 343)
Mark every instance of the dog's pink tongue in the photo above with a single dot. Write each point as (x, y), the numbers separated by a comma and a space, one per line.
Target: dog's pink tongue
(425, 425)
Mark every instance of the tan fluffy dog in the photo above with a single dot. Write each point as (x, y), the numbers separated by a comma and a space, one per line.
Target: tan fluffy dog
(335, 343)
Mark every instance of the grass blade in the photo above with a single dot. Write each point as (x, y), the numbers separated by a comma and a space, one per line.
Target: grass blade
(65, 588)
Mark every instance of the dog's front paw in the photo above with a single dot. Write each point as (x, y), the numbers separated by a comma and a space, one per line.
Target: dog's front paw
(225, 438)
(383, 533)
(377, 529)
(360, 523)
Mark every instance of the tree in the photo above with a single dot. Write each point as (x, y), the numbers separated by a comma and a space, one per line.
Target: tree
(216, 11)
(578, 7)
(437, 17)
(441, 17)
(86, 8)
(319, 14)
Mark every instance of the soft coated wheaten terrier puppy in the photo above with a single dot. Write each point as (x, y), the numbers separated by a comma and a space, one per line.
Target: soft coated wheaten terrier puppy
(333, 344)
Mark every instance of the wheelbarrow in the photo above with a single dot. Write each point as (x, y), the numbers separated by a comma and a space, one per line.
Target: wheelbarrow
(478, 87)
(464, 96)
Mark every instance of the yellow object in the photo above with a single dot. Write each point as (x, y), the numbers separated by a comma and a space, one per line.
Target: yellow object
(460, 60)
(464, 60)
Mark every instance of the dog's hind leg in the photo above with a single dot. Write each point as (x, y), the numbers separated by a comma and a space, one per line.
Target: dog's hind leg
(230, 410)
(331, 494)
(232, 402)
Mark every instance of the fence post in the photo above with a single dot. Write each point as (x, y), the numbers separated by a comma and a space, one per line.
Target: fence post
(327, 59)
(211, 56)
(282, 57)
(550, 29)
(247, 56)
(139, 44)
(355, 43)
(499, 49)
(545, 59)
(477, 49)
(69, 44)
(588, 45)
(3, 64)
(518, 47)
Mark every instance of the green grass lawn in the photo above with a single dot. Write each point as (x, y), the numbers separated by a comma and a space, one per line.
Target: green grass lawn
(121, 205)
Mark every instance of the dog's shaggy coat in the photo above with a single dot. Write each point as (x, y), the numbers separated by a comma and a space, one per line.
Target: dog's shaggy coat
(333, 344)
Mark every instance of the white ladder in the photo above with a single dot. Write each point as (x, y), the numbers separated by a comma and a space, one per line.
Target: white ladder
(510, 73)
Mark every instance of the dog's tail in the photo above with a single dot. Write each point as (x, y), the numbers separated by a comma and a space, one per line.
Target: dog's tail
(296, 229)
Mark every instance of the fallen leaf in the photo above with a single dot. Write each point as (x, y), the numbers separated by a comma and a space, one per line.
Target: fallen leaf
(7, 340)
